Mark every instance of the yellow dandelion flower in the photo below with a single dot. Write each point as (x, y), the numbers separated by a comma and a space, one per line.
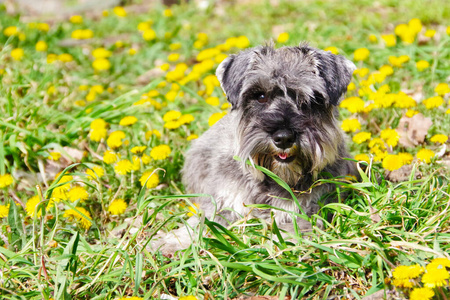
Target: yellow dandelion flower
(439, 138)
(425, 155)
(372, 38)
(101, 64)
(115, 139)
(351, 87)
(117, 207)
(77, 193)
(96, 135)
(160, 152)
(392, 162)
(405, 157)
(95, 173)
(361, 72)
(439, 263)
(6, 180)
(361, 54)
(172, 124)
(109, 157)
(149, 35)
(120, 11)
(242, 42)
(192, 137)
(391, 136)
(149, 179)
(186, 119)
(350, 125)
(433, 102)
(190, 297)
(442, 88)
(127, 121)
(389, 40)
(415, 25)
(17, 53)
(435, 278)
(214, 118)
(353, 104)
(171, 115)
(422, 65)
(4, 211)
(430, 33)
(332, 49)
(41, 46)
(123, 167)
(421, 294)
(167, 13)
(361, 137)
(80, 215)
(138, 149)
(146, 159)
(213, 101)
(362, 157)
(31, 205)
(101, 53)
(10, 31)
(386, 70)
(54, 155)
(411, 113)
(283, 37)
(403, 275)
(76, 19)
(173, 57)
(98, 124)
(65, 57)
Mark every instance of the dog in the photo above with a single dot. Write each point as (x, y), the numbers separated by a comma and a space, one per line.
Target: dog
(283, 118)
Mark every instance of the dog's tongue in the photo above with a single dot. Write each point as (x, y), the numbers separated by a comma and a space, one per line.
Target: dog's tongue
(282, 155)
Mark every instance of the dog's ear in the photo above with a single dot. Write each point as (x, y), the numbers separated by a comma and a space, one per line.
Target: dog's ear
(336, 72)
(229, 78)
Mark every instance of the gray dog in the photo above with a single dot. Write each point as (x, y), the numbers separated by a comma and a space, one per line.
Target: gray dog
(283, 118)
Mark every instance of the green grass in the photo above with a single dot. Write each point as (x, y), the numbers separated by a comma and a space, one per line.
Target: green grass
(48, 107)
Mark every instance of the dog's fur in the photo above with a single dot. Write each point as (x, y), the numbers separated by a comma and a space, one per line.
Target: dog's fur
(283, 118)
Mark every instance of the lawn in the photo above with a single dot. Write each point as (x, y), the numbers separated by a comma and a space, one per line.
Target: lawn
(98, 109)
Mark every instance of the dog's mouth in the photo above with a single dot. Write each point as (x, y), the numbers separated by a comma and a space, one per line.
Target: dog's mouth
(284, 157)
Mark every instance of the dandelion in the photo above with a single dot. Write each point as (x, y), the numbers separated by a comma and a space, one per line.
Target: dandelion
(439, 263)
(430, 33)
(422, 65)
(77, 193)
(411, 113)
(435, 277)
(80, 215)
(361, 72)
(4, 211)
(386, 70)
(115, 139)
(160, 152)
(95, 173)
(138, 149)
(361, 54)
(433, 102)
(242, 42)
(101, 53)
(101, 64)
(109, 157)
(171, 115)
(82, 34)
(120, 11)
(439, 138)
(150, 179)
(55, 156)
(127, 121)
(332, 49)
(31, 205)
(190, 297)
(442, 88)
(403, 275)
(421, 294)
(389, 40)
(350, 125)
(214, 118)
(362, 157)
(41, 46)
(353, 104)
(425, 155)
(10, 31)
(186, 119)
(361, 137)
(391, 136)
(173, 57)
(405, 157)
(76, 19)
(192, 137)
(6, 180)
(213, 101)
(392, 162)
(168, 13)
(372, 38)
(149, 35)
(123, 167)
(117, 207)
(17, 53)
(283, 37)
(96, 135)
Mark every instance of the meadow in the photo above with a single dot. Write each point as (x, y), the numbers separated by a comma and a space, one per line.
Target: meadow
(98, 109)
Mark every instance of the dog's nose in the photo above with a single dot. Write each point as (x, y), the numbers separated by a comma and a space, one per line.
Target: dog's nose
(283, 139)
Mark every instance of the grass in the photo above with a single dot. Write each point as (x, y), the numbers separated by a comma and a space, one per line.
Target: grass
(73, 241)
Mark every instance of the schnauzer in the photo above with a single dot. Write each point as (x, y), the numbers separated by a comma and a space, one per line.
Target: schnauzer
(283, 118)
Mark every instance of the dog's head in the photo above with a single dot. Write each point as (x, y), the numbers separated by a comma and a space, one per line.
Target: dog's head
(287, 99)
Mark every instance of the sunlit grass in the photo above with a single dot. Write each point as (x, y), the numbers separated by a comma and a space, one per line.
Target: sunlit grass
(97, 115)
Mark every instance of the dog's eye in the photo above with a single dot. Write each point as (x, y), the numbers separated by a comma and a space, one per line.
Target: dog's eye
(261, 98)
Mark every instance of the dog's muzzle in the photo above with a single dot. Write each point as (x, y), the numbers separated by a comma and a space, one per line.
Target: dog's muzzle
(284, 139)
